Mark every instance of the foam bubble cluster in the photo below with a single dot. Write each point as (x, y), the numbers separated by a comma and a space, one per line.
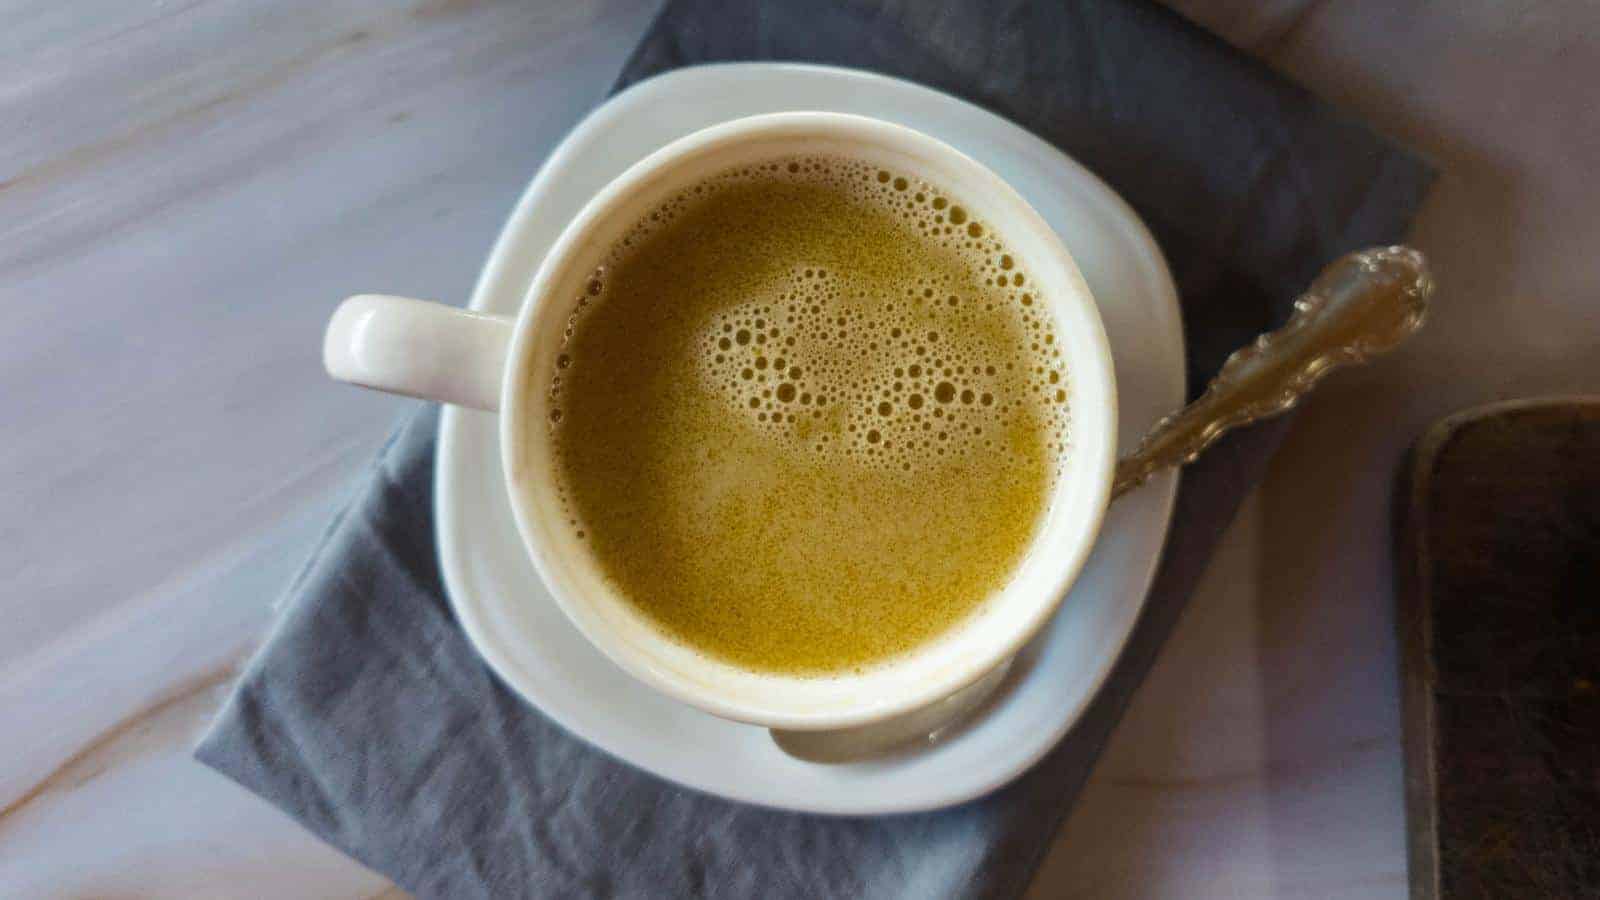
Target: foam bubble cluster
(885, 372)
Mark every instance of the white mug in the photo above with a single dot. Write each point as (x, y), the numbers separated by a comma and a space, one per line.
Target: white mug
(495, 363)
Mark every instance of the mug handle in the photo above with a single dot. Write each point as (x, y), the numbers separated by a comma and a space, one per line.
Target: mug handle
(419, 349)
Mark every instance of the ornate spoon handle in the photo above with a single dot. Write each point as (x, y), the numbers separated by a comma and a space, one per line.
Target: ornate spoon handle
(1361, 305)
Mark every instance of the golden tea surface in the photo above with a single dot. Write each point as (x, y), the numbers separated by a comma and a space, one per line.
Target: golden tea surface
(808, 415)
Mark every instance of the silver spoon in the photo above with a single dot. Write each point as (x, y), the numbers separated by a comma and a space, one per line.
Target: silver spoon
(1361, 305)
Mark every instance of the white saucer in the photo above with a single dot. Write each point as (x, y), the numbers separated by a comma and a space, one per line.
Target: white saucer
(491, 580)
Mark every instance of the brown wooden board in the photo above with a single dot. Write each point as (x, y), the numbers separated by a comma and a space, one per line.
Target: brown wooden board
(1499, 620)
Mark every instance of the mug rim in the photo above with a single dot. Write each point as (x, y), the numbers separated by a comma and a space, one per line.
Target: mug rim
(1094, 452)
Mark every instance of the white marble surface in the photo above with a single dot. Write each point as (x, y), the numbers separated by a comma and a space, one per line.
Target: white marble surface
(187, 187)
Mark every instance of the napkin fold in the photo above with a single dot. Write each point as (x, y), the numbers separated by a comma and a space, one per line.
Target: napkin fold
(368, 716)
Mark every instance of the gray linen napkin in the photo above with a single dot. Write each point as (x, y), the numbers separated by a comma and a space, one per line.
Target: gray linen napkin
(369, 718)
